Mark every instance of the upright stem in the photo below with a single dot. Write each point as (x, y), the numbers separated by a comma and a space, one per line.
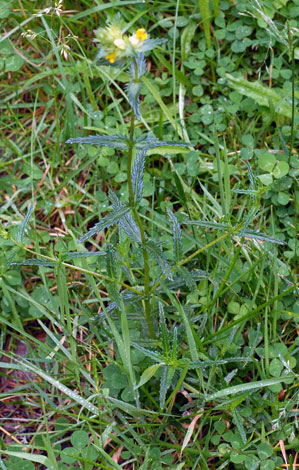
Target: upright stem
(293, 104)
(140, 226)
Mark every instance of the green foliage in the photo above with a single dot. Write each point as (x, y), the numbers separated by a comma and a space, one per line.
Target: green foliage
(149, 304)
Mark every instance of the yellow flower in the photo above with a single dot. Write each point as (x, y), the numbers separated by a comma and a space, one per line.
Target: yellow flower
(141, 34)
(137, 39)
(111, 57)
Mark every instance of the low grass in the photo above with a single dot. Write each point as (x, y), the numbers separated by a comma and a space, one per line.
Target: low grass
(85, 383)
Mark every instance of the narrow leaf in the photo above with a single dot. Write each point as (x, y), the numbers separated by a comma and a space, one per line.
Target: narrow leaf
(111, 272)
(82, 254)
(186, 39)
(181, 279)
(106, 222)
(150, 44)
(176, 236)
(204, 8)
(158, 254)
(208, 224)
(148, 374)
(148, 353)
(247, 233)
(174, 349)
(190, 432)
(110, 262)
(42, 459)
(137, 176)
(188, 277)
(245, 387)
(34, 262)
(217, 362)
(128, 408)
(260, 236)
(245, 191)
(141, 67)
(164, 333)
(133, 91)
(239, 424)
(163, 144)
(163, 386)
(126, 223)
(23, 225)
(112, 141)
(126, 297)
(129, 226)
(134, 86)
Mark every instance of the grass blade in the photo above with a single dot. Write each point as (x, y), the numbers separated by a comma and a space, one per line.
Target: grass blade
(246, 387)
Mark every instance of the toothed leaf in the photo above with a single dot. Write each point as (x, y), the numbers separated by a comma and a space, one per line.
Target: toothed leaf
(150, 144)
(180, 279)
(137, 176)
(247, 233)
(260, 236)
(112, 273)
(133, 90)
(247, 221)
(141, 67)
(148, 353)
(126, 223)
(112, 218)
(163, 386)
(112, 141)
(130, 228)
(82, 254)
(24, 224)
(34, 262)
(126, 297)
(208, 224)
(187, 277)
(251, 176)
(245, 191)
(174, 349)
(150, 44)
(114, 200)
(176, 236)
(110, 261)
(164, 333)
(159, 256)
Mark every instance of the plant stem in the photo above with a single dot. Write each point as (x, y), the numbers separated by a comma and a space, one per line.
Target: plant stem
(293, 104)
(140, 226)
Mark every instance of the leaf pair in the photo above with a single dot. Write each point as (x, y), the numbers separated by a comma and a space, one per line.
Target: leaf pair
(121, 142)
